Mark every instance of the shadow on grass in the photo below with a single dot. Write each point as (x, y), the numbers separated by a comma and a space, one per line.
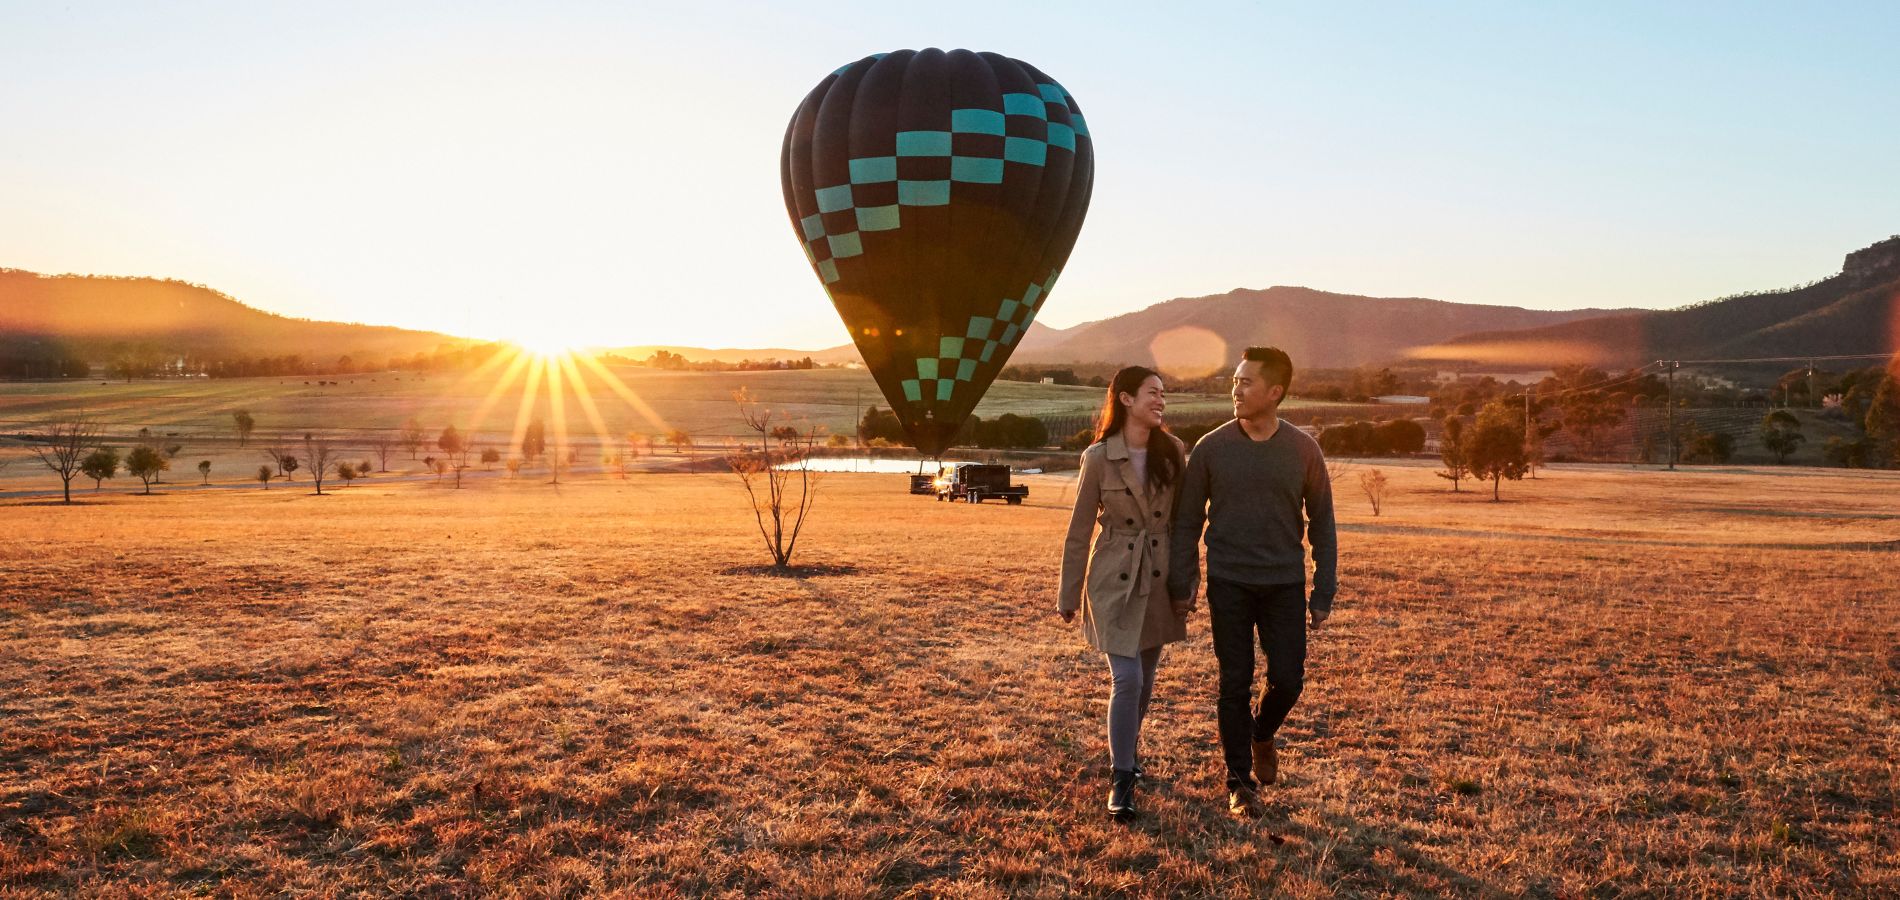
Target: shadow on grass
(793, 571)
(1388, 859)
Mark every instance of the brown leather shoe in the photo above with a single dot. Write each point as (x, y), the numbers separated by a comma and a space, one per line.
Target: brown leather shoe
(1244, 803)
(1266, 762)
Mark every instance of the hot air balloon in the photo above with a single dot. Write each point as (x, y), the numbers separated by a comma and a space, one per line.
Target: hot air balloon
(937, 196)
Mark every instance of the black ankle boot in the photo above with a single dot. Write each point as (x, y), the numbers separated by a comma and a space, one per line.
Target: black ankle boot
(1121, 797)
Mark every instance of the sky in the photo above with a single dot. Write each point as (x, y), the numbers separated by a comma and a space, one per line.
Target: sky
(607, 173)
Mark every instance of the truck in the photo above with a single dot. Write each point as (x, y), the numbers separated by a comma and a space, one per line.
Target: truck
(977, 482)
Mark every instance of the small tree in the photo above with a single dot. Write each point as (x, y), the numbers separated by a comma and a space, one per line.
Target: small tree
(1781, 433)
(1858, 453)
(245, 425)
(1882, 422)
(1495, 453)
(534, 441)
(382, 444)
(679, 438)
(1451, 451)
(62, 444)
(277, 452)
(441, 467)
(412, 436)
(204, 470)
(145, 463)
(347, 472)
(514, 466)
(769, 476)
(1706, 446)
(264, 475)
(1373, 483)
(451, 442)
(323, 456)
(288, 465)
(100, 465)
(1590, 416)
(490, 456)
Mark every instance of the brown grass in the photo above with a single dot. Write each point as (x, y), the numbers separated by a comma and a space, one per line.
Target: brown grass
(1613, 683)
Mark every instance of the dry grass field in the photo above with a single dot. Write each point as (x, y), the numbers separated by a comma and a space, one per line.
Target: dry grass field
(1613, 683)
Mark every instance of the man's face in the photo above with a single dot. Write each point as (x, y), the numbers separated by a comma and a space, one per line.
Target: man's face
(1254, 395)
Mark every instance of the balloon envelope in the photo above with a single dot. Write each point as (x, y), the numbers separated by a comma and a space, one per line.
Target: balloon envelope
(937, 196)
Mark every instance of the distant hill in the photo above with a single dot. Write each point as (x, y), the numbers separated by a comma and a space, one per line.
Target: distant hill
(95, 318)
(1856, 311)
(1317, 328)
(1320, 330)
(1038, 335)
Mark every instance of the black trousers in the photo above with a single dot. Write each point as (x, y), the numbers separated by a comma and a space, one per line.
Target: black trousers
(1277, 614)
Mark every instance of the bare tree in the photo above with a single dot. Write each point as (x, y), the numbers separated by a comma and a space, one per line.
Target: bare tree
(323, 457)
(63, 444)
(382, 444)
(280, 457)
(264, 475)
(770, 474)
(413, 436)
(1373, 483)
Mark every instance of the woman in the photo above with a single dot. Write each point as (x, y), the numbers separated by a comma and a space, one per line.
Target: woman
(1127, 487)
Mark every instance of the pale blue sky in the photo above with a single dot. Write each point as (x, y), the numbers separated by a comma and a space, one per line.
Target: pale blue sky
(609, 172)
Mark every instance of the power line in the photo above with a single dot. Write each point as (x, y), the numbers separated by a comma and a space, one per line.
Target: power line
(1705, 362)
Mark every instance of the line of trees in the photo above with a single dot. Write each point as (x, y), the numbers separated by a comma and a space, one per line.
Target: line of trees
(880, 427)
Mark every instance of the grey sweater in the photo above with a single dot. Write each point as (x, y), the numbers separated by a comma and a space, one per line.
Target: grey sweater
(1249, 495)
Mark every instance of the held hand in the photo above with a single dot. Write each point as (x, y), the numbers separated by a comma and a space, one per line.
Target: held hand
(1319, 617)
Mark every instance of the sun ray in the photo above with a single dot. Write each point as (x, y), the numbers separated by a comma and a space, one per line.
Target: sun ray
(557, 406)
(526, 409)
(506, 354)
(586, 398)
(627, 394)
(521, 361)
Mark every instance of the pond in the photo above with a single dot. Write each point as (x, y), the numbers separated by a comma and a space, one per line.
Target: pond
(885, 465)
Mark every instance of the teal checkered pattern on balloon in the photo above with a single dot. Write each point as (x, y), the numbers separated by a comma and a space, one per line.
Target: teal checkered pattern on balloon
(959, 355)
(824, 248)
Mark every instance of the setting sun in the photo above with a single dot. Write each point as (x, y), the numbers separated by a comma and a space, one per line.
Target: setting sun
(546, 343)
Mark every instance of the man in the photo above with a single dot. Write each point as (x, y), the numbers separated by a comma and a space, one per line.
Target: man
(1249, 481)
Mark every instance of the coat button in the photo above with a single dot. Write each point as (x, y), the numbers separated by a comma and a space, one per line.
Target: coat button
(1157, 573)
(1132, 521)
(1155, 543)
(1124, 576)
(1131, 546)
(1157, 514)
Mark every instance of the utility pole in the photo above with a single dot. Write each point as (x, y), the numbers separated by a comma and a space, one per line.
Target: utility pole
(1671, 366)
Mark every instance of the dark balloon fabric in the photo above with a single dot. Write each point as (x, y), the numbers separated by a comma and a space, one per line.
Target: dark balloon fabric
(937, 196)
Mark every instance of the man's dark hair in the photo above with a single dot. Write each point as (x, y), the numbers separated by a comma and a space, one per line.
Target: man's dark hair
(1274, 364)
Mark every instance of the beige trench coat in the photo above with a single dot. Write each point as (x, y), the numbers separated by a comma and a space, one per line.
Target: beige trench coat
(1121, 586)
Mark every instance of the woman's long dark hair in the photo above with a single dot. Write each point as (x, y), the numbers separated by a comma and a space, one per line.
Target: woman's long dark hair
(1164, 458)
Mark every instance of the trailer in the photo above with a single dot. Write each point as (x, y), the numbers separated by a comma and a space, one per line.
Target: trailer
(977, 482)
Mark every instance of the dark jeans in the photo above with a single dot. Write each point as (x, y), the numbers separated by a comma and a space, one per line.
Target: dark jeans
(1277, 612)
